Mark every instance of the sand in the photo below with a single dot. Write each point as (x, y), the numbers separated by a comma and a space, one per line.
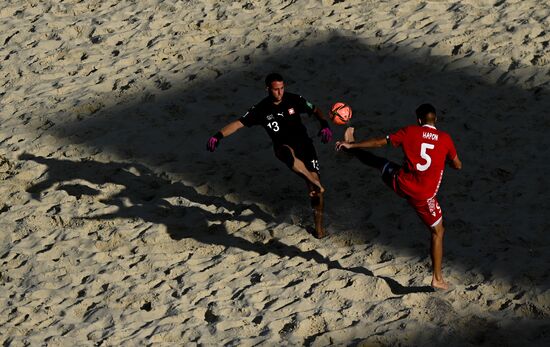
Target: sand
(118, 228)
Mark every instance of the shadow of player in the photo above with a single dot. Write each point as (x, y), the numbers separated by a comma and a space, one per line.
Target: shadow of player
(144, 195)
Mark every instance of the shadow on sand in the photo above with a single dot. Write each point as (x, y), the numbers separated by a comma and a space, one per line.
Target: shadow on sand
(144, 196)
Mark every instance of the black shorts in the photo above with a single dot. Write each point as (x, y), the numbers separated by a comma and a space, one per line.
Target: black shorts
(304, 150)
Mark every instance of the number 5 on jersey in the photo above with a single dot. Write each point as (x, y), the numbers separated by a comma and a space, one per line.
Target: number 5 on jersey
(423, 148)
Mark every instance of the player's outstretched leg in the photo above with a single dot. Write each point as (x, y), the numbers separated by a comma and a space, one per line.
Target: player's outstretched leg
(365, 157)
(299, 167)
(437, 256)
(286, 154)
(317, 204)
(349, 136)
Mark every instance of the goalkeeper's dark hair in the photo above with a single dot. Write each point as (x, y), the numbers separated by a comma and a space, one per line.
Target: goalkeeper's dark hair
(272, 77)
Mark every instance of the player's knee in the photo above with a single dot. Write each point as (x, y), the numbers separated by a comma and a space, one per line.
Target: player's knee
(438, 230)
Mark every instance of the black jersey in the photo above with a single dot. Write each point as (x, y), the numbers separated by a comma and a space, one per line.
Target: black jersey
(282, 122)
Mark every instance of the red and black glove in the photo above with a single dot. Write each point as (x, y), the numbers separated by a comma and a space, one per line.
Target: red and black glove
(214, 141)
(325, 132)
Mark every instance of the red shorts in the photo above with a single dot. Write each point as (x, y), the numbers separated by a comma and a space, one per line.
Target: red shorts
(428, 210)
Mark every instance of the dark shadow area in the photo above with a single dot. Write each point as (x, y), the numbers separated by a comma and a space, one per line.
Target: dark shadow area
(465, 331)
(501, 176)
(144, 196)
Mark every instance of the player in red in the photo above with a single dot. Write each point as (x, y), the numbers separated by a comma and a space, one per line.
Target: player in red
(426, 150)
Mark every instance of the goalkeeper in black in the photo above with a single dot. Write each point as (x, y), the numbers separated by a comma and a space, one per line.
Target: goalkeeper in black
(279, 114)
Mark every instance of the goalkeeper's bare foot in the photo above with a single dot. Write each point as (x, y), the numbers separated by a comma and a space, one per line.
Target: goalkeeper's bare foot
(319, 234)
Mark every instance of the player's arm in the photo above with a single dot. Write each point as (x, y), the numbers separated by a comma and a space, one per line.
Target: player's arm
(456, 163)
(319, 115)
(373, 142)
(306, 106)
(227, 130)
(231, 128)
(324, 132)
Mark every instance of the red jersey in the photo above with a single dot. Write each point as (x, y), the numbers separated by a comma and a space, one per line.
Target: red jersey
(426, 149)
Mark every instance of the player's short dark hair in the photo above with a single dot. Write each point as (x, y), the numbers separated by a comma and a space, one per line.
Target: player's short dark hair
(272, 77)
(423, 110)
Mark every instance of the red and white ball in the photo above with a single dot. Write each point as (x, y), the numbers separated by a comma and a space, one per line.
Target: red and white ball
(340, 113)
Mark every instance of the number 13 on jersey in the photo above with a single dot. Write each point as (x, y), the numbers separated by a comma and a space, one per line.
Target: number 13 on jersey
(273, 126)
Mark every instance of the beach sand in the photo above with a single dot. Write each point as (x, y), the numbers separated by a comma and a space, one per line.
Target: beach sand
(118, 228)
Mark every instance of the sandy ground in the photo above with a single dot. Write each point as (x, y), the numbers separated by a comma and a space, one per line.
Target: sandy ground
(119, 229)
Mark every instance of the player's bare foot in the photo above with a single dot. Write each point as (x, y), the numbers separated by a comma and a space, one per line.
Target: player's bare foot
(319, 234)
(441, 285)
(348, 135)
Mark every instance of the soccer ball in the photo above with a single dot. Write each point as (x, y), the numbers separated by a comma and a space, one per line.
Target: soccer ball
(340, 113)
